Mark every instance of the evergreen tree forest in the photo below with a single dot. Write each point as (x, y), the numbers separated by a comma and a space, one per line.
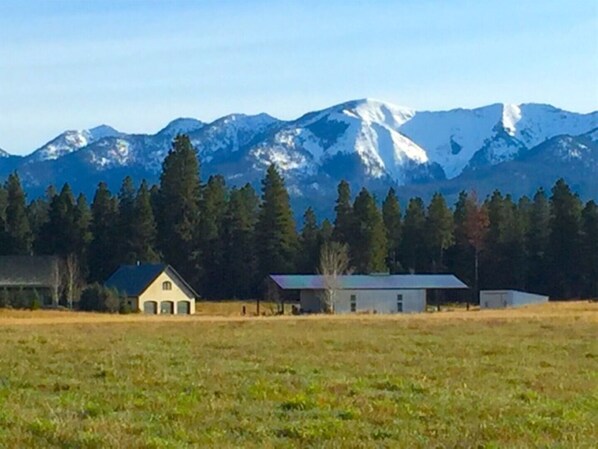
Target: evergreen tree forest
(225, 241)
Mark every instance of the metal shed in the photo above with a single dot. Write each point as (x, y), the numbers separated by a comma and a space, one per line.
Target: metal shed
(500, 299)
(367, 293)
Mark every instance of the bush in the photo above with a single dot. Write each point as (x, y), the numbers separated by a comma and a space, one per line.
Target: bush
(98, 298)
(4, 298)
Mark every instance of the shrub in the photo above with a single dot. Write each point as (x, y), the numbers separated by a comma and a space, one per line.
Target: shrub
(4, 298)
(98, 298)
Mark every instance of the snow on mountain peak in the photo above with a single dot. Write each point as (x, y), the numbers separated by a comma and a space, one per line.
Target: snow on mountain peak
(70, 141)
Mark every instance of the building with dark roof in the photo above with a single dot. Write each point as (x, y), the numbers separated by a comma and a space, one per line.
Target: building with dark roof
(154, 289)
(23, 278)
(376, 293)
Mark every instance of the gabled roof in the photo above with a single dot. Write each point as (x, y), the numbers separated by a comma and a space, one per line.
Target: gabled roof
(27, 271)
(133, 280)
(370, 282)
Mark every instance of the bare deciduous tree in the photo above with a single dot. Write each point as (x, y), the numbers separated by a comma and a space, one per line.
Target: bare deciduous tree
(72, 278)
(334, 262)
(56, 281)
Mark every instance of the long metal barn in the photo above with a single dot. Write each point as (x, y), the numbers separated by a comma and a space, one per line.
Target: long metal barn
(397, 293)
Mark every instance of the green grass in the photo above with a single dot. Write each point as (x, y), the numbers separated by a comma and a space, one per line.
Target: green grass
(526, 381)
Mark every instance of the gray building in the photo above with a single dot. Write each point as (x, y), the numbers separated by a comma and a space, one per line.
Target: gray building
(366, 293)
(500, 299)
(23, 278)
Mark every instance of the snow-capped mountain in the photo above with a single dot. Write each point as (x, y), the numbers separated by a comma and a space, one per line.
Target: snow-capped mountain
(367, 142)
(365, 128)
(470, 138)
(70, 141)
(3, 153)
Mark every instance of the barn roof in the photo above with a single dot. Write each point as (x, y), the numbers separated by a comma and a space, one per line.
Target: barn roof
(370, 282)
(133, 280)
(27, 271)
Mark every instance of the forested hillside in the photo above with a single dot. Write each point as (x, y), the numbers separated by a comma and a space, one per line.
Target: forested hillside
(225, 241)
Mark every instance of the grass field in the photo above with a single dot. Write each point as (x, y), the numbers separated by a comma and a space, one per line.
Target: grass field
(510, 378)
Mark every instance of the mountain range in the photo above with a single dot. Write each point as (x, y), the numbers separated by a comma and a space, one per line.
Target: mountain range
(515, 148)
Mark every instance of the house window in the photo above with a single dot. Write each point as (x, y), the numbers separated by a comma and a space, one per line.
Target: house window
(353, 303)
(399, 303)
(166, 285)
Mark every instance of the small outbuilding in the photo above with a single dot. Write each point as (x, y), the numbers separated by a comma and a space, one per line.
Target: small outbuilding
(379, 293)
(25, 277)
(154, 289)
(500, 299)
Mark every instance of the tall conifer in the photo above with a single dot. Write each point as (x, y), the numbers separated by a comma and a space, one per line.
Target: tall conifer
(309, 253)
(103, 247)
(18, 235)
(178, 208)
(589, 244)
(344, 220)
(439, 231)
(368, 246)
(391, 215)
(413, 247)
(565, 248)
(275, 230)
(239, 242)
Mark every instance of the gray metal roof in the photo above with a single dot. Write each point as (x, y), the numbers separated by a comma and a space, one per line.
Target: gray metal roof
(27, 271)
(370, 282)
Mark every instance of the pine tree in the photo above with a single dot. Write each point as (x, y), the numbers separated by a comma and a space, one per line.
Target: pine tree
(103, 249)
(493, 266)
(82, 233)
(210, 242)
(3, 237)
(413, 246)
(344, 220)
(310, 242)
(126, 222)
(439, 231)
(589, 227)
(326, 231)
(239, 243)
(475, 224)
(460, 255)
(37, 214)
(538, 235)
(505, 258)
(391, 215)
(58, 235)
(369, 246)
(275, 230)
(18, 237)
(144, 233)
(565, 248)
(178, 208)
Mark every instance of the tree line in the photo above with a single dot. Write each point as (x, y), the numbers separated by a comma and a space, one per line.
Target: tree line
(225, 241)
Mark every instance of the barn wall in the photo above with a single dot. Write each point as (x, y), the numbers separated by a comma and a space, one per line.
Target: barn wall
(499, 299)
(381, 301)
(522, 298)
(310, 301)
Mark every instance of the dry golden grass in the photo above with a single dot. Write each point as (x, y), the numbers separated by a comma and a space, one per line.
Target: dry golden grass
(231, 311)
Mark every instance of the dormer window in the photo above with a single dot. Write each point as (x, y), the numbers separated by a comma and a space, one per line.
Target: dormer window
(166, 285)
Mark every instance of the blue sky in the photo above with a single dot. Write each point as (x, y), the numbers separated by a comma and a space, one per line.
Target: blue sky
(136, 65)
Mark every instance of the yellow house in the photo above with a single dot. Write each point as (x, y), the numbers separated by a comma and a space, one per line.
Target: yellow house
(154, 289)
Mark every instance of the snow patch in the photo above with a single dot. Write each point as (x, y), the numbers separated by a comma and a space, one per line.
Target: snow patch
(510, 116)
